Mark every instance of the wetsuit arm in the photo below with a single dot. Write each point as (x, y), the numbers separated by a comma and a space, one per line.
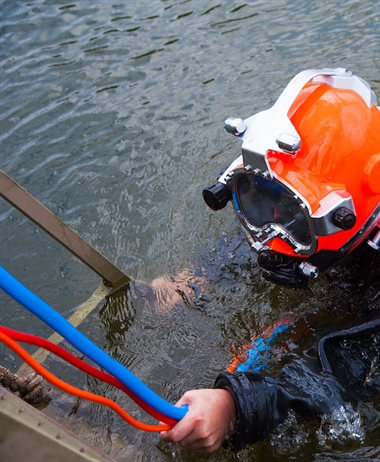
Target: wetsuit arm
(260, 406)
(343, 372)
(263, 402)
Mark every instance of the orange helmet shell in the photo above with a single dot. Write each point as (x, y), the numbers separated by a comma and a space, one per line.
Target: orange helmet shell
(340, 151)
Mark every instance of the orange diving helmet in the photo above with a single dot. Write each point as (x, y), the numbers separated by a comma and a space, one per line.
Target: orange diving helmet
(306, 188)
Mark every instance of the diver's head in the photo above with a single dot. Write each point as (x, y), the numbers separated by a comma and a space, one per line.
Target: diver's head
(306, 188)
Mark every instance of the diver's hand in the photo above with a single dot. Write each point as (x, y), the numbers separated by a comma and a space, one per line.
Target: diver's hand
(210, 418)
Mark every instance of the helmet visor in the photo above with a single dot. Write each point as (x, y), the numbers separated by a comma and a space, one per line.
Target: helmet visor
(263, 202)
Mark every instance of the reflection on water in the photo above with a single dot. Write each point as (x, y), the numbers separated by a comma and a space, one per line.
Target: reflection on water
(112, 116)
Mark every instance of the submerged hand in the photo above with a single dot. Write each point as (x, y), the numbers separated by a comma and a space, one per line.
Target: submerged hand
(210, 418)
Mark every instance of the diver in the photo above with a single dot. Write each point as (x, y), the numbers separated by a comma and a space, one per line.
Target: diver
(306, 191)
(306, 187)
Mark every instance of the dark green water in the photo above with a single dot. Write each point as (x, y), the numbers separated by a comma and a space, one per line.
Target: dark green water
(112, 116)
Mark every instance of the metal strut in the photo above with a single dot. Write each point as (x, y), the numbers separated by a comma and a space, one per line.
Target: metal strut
(13, 193)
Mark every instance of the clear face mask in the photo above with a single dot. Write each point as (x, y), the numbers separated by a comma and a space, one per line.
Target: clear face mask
(267, 210)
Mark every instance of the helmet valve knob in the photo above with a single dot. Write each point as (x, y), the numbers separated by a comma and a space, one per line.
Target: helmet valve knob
(309, 270)
(344, 218)
(375, 242)
(217, 196)
(235, 126)
(288, 143)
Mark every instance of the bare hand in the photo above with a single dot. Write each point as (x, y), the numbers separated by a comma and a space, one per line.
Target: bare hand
(210, 418)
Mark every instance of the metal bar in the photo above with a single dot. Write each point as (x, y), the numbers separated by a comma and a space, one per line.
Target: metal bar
(45, 219)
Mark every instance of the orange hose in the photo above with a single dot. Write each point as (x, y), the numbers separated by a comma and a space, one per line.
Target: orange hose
(74, 361)
(77, 391)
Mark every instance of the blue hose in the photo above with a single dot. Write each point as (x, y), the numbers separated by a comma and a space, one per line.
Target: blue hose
(42, 310)
(255, 358)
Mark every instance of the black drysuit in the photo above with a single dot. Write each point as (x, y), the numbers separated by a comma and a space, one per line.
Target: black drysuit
(347, 370)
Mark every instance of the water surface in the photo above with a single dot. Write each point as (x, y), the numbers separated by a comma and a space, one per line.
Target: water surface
(112, 116)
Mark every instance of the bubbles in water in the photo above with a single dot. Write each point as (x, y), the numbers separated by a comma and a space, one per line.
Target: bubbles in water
(343, 425)
(290, 435)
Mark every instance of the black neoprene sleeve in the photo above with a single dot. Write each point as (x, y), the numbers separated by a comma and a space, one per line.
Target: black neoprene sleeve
(306, 384)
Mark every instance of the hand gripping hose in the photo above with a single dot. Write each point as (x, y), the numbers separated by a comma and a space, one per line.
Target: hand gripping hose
(42, 310)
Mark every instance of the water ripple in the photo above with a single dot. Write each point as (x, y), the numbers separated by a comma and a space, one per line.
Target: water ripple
(112, 115)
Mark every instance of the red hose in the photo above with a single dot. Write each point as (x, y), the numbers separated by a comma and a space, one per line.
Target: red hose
(8, 336)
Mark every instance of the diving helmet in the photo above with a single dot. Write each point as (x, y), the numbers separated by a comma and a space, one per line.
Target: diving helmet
(306, 187)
